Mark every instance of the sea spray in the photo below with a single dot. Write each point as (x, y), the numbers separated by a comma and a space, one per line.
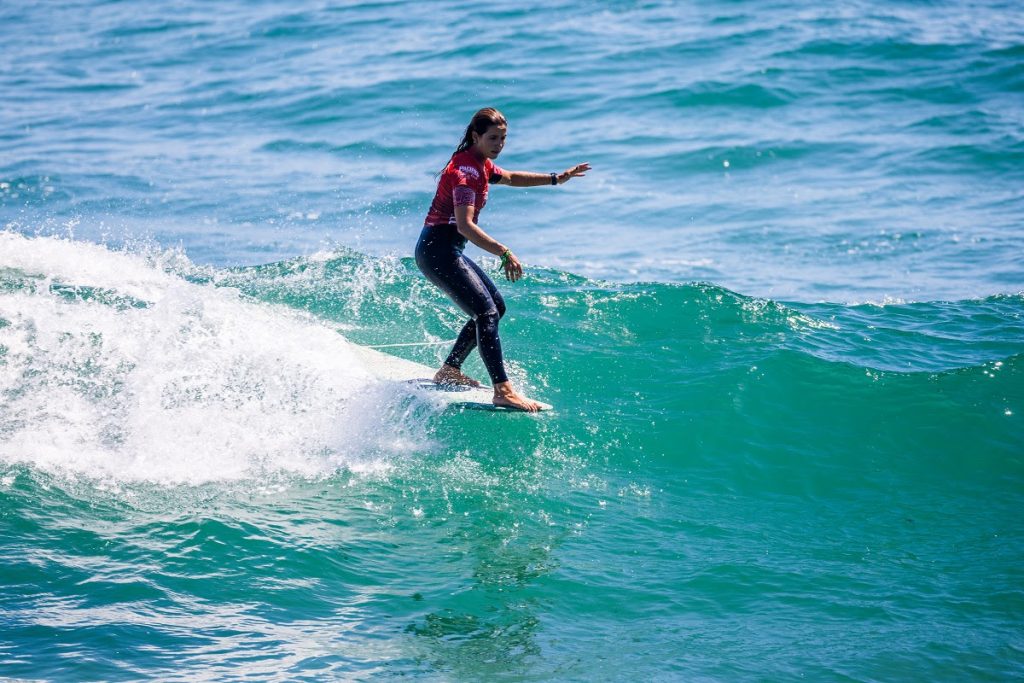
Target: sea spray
(113, 368)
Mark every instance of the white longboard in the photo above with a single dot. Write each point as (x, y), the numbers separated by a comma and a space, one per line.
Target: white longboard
(393, 369)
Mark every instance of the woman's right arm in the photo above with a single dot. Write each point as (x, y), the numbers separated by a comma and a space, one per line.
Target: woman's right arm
(468, 228)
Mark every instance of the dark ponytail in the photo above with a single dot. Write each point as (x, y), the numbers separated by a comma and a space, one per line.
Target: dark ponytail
(482, 120)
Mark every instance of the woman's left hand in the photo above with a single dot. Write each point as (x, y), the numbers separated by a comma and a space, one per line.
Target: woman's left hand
(513, 268)
(577, 171)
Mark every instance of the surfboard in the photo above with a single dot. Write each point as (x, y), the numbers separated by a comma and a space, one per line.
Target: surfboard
(417, 377)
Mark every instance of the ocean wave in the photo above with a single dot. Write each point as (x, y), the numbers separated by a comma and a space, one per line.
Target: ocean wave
(384, 300)
(112, 367)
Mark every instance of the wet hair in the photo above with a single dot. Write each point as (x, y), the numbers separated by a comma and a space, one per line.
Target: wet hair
(480, 123)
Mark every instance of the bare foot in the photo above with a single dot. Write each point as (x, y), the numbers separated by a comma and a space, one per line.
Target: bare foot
(507, 397)
(449, 375)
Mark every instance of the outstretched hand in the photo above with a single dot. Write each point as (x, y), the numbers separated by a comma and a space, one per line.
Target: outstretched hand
(577, 171)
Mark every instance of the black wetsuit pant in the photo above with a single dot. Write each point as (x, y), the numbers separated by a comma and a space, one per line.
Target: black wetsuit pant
(439, 255)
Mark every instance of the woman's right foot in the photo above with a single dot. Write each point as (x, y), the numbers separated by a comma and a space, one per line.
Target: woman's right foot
(507, 397)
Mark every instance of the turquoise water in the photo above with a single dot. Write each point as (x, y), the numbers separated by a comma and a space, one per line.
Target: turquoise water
(782, 323)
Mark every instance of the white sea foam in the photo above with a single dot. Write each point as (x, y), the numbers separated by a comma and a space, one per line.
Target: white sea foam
(114, 369)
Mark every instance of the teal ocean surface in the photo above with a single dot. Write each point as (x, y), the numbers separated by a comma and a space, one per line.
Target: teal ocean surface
(782, 323)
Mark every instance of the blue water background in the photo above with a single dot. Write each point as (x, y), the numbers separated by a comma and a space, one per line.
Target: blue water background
(839, 152)
(782, 323)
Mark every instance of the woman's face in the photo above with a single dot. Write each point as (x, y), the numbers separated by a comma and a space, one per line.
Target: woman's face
(489, 144)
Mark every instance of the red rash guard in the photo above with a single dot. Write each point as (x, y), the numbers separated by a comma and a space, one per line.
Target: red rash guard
(463, 182)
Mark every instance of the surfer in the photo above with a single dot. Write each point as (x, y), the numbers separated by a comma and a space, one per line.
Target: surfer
(450, 223)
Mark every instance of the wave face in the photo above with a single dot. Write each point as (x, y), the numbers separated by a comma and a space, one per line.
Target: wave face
(193, 462)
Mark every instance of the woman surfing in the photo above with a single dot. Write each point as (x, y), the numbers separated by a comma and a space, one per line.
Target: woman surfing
(450, 223)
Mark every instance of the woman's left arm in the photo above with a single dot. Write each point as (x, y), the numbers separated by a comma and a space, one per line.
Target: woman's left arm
(528, 179)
